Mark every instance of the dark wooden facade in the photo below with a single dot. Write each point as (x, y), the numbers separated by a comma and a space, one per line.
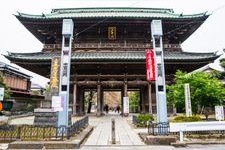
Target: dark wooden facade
(108, 50)
(19, 85)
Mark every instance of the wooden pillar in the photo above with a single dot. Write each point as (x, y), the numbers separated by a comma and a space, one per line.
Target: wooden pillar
(150, 98)
(125, 89)
(143, 100)
(81, 101)
(74, 98)
(78, 101)
(121, 100)
(102, 100)
(98, 99)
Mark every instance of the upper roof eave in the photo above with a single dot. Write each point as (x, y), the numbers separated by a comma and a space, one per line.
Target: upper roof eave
(114, 12)
(111, 56)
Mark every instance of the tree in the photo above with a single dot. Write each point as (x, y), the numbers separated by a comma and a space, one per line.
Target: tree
(89, 99)
(222, 62)
(7, 92)
(206, 91)
(218, 74)
(134, 99)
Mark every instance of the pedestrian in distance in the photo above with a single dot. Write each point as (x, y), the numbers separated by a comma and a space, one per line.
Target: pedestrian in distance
(118, 108)
(106, 108)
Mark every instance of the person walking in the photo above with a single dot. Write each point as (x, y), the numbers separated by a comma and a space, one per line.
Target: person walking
(106, 108)
(118, 108)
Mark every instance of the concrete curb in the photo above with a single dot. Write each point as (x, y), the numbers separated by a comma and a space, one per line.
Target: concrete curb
(69, 144)
(206, 142)
(186, 143)
(20, 116)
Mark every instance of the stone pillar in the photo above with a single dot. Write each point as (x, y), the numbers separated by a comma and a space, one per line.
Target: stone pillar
(150, 97)
(74, 98)
(99, 99)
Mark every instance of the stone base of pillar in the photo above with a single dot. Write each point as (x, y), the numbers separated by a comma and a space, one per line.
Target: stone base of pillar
(98, 114)
(48, 117)
(45, 117)
(74, 115)
(80, 114)
(125, 115)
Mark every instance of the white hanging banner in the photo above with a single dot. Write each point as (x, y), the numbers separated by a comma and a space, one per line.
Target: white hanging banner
(187, 100)
(1, 94)
(126, 105)
(57, 103)
(219, 113)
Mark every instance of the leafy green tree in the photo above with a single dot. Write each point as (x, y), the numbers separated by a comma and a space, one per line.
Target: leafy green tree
(134, 99)
(222, 62)
(205, 90)
(2, 84)
(89, 99)
(222, 74)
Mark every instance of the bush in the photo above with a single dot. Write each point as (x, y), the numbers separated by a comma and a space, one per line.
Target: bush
(142, 119)
(187, 119)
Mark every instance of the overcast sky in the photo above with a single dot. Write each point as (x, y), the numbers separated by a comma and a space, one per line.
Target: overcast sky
(14, 37)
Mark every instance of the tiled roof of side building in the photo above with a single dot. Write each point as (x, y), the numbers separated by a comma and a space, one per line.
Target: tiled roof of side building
(14, 70)
(112, 56)
(117, 12)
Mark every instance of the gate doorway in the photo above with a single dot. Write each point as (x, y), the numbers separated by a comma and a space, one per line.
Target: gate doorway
(112, 99)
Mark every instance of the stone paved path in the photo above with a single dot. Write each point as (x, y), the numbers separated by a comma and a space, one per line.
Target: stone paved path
(101, 134)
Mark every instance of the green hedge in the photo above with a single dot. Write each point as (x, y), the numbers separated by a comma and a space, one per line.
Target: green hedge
(142, 119)
(187, 119)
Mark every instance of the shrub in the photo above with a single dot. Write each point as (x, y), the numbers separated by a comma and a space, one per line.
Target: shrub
(187, 119)
(142, 119)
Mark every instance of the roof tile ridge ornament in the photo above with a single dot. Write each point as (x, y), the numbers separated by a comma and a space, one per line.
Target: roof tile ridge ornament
(108, 9)
(25, 15)
(18, 13)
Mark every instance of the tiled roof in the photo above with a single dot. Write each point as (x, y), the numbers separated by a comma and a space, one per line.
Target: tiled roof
(14, 70)
(111, 56)
(113, 12)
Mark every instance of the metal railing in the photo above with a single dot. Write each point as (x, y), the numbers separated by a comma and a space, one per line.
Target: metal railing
(134, 119)
(158, 128)
(30, 132)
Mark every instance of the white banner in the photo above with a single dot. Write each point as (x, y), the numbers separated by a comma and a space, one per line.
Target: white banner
(57, 103)
(126, 105)
(1, 94)
(187, 100)
(219, 113)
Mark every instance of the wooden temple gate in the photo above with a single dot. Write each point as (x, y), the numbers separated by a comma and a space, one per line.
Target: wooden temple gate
(108, 51)
(101, 83)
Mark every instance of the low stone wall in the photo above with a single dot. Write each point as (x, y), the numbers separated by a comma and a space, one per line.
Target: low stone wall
(160, 140)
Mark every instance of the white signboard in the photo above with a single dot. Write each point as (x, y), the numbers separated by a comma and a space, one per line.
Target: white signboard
(126, 105)
(187, 100)
(57, 103)
(1, 94)
(219, 113)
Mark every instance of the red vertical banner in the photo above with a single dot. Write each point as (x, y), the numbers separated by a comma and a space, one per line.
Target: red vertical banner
(150, 65)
